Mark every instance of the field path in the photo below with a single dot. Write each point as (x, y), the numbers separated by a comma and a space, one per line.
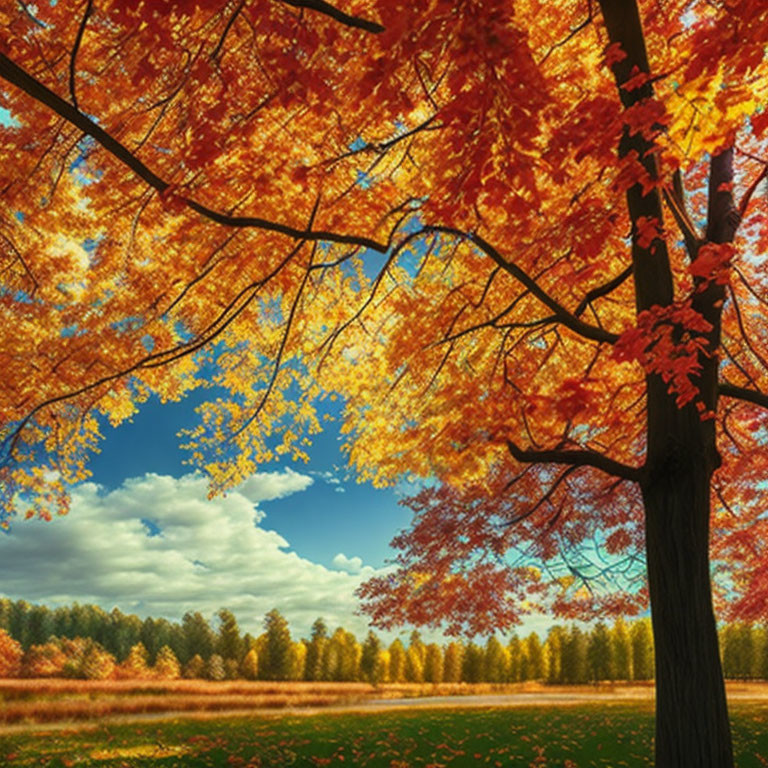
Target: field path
(522, 699)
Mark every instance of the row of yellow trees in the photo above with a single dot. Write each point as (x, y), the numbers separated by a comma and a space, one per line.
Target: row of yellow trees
(570, 655)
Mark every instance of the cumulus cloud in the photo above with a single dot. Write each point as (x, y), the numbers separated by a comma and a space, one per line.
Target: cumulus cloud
(264, 486)
(158, 546)
(349, 564)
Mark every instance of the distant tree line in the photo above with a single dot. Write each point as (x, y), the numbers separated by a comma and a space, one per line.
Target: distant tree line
(85, 641)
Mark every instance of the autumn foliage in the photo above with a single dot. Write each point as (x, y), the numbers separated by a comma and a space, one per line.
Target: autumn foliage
(524, 241)
(479, 145)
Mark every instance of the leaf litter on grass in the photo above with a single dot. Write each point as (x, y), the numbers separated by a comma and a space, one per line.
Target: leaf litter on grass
(619, 736)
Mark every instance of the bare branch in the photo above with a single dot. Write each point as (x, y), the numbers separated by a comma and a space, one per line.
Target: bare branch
(15, 75)
(343, 18)
(576, 458)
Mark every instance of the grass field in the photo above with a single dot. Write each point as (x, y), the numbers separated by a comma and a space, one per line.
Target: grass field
(617, 735)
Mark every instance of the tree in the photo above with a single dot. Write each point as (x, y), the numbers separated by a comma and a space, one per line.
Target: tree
(195, 667)
(250, 666)
(381, 668)
(214, 668)
(496, 662)
(45, 660)
(433, 664)
(497, 162)
(199, 637)
(397, 661)
(574, 657)
(124, 633)
(600, 654)
(229, 644)
(297, 661)
(275, 659)
(11, 654)
(642, 650)
(418, 646)
(414, 668)
(369, 656)
(517, 662)
(167, 666)
(556, 638)
(136, 664)
(39, 624)
(315, 650)
(762, 655)
(86, 659)
(534, 652)
(154, 634)
(342, 656)
(472, 664)
(97, 663)
(452, 663)
(621, 651)
(738, 649)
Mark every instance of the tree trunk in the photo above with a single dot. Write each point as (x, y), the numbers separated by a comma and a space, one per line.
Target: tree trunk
(692, 727)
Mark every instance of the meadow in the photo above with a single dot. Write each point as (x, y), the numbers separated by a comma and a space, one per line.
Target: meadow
(618, 735)
(56, 700)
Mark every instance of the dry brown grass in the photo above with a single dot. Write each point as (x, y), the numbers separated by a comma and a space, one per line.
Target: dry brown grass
(41, 711)
(21, 688)
(50, 700)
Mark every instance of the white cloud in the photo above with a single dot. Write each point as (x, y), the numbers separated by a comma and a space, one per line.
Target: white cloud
(158, 546)
(264, 486)
(349, 564)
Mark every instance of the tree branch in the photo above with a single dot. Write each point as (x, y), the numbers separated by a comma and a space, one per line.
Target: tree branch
(723, 217)
(742, 393)
(343, 18)
(602, 290)
(230, 21)
(14, 74)
(576, 458)
(75, 49)
(676, 203)
(561, 314)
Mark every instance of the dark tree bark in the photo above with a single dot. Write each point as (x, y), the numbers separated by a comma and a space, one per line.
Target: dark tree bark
(692, 726)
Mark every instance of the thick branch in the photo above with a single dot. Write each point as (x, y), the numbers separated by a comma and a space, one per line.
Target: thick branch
(723, 216)
(576, 458)
(343, 18)
(15, 75)
(652, 273)
(742, 393)
(562, 315)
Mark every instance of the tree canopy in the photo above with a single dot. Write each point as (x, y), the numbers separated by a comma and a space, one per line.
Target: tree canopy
(521, 240)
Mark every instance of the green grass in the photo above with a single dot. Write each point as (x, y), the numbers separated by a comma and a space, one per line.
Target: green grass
(593, 735)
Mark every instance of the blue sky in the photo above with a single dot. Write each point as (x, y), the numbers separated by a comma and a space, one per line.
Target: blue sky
(142, 535)
(334, 514)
